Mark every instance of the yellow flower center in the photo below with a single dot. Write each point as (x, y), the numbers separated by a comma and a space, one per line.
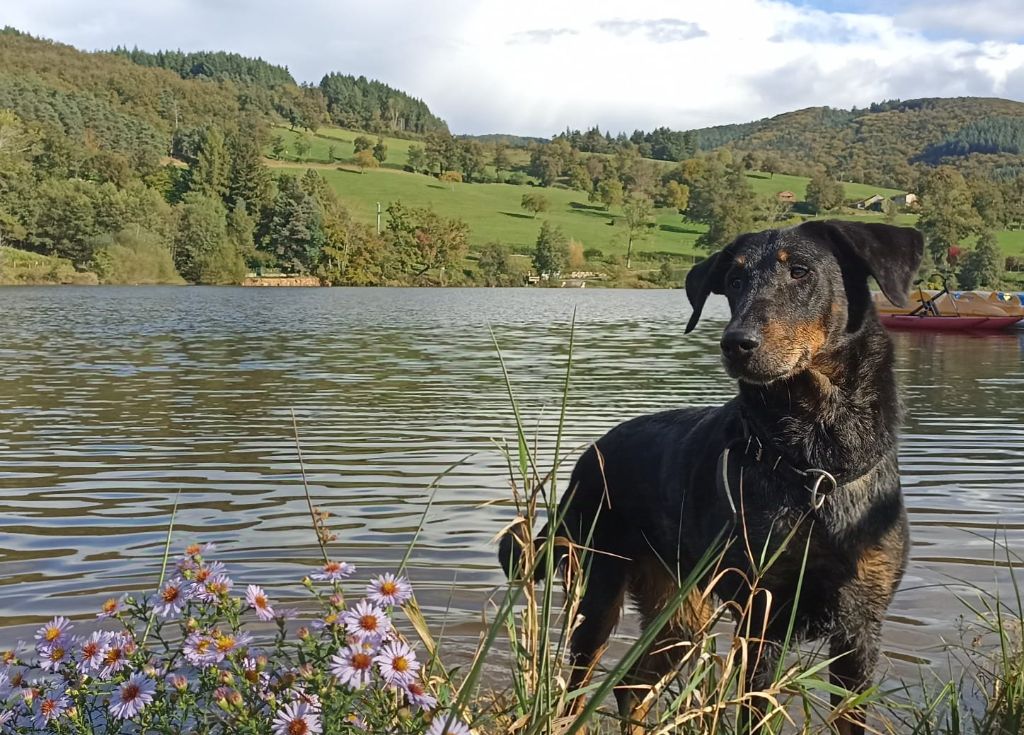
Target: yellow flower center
(362, 661)
(389, 588)
(171, 594)
(129, 692)
(298, 727)
(400, 664)
(368, 622)
(52, 633)
(225, 643)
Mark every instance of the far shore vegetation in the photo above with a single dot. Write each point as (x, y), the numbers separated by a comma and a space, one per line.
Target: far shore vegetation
(130, 167)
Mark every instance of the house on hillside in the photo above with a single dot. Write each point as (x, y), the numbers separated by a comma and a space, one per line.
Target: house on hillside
(904, 200)
(872, 202)
(786, 197)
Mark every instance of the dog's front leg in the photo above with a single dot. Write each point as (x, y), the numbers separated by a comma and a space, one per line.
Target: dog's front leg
(763, 657)
(855, 658)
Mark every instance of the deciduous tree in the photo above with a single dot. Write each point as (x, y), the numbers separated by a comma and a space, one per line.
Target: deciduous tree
(551, 252)
(535, 203)
(637, 213)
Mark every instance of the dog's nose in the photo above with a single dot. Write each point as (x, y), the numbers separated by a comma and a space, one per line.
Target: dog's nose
(739, 343)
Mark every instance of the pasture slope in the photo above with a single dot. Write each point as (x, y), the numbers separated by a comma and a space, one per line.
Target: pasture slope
(493, 212)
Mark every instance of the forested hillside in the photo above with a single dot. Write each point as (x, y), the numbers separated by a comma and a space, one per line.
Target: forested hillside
(132, 166)
(342, 99)
(218, 65)
(887, 144)
(355, 102)
(148, 167)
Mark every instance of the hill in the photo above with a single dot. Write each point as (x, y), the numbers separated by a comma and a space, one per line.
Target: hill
(887, 143)
(143, 167)
(493, 210)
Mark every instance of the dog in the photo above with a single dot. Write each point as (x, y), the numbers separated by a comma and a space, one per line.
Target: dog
(806, 452)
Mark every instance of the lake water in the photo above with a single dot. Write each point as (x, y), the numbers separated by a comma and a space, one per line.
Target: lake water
(113, 399)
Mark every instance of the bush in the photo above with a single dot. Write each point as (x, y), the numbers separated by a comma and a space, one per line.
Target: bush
(133, 257)
(22, 268)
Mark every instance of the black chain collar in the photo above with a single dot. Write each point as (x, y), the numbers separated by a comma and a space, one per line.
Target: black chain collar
(751, 448)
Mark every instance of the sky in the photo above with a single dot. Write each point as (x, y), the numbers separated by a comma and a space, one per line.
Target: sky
(533, 67)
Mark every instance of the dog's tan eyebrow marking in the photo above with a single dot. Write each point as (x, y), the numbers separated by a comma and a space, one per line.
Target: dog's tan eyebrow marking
(782, 255)
(740, 260)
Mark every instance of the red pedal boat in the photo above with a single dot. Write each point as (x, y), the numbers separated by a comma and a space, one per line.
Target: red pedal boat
(951, 311)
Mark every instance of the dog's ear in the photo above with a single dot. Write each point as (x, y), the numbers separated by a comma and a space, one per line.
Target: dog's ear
(706, 278)
(891, 254)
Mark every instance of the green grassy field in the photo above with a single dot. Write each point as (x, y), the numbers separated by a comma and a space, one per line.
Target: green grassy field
(1011, 241)
(493, 212)
(343, 140)
(765, 184)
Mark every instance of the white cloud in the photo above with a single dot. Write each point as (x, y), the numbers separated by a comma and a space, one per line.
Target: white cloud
(659, 30)
(991, 19)
(535, 67)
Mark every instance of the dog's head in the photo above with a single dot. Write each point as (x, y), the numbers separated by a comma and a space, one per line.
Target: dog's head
(794, 293)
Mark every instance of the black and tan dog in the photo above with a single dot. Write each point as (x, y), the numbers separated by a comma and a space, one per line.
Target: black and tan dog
(807, 450)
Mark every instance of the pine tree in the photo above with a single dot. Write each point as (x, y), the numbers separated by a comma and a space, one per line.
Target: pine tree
(210, 175)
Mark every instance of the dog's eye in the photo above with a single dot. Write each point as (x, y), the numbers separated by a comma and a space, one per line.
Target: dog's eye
(736, 283)
(798, 271)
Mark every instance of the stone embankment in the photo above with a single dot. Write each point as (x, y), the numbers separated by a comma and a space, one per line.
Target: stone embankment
(281, 281)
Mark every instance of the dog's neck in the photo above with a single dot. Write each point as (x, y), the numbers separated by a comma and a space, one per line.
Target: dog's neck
(837, 413)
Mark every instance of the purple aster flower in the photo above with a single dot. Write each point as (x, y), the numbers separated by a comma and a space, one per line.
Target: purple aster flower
(296, 718)
(366, 622)
(257, 599)
(332, 619)
(226, 643)
(132, 697)
(418, 696)
(171, 599)
(353, 666)
(398, 664)
(56, 654)
(334, 571)
(49, 707)
(91, 652)
(119, 648)
(213, 588)
(194, 550)
(447, 724)
(110, 608)
(56, 630)
(388, 589)
(199, 650)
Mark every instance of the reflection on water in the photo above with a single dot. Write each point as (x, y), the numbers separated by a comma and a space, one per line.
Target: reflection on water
(112, 400)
